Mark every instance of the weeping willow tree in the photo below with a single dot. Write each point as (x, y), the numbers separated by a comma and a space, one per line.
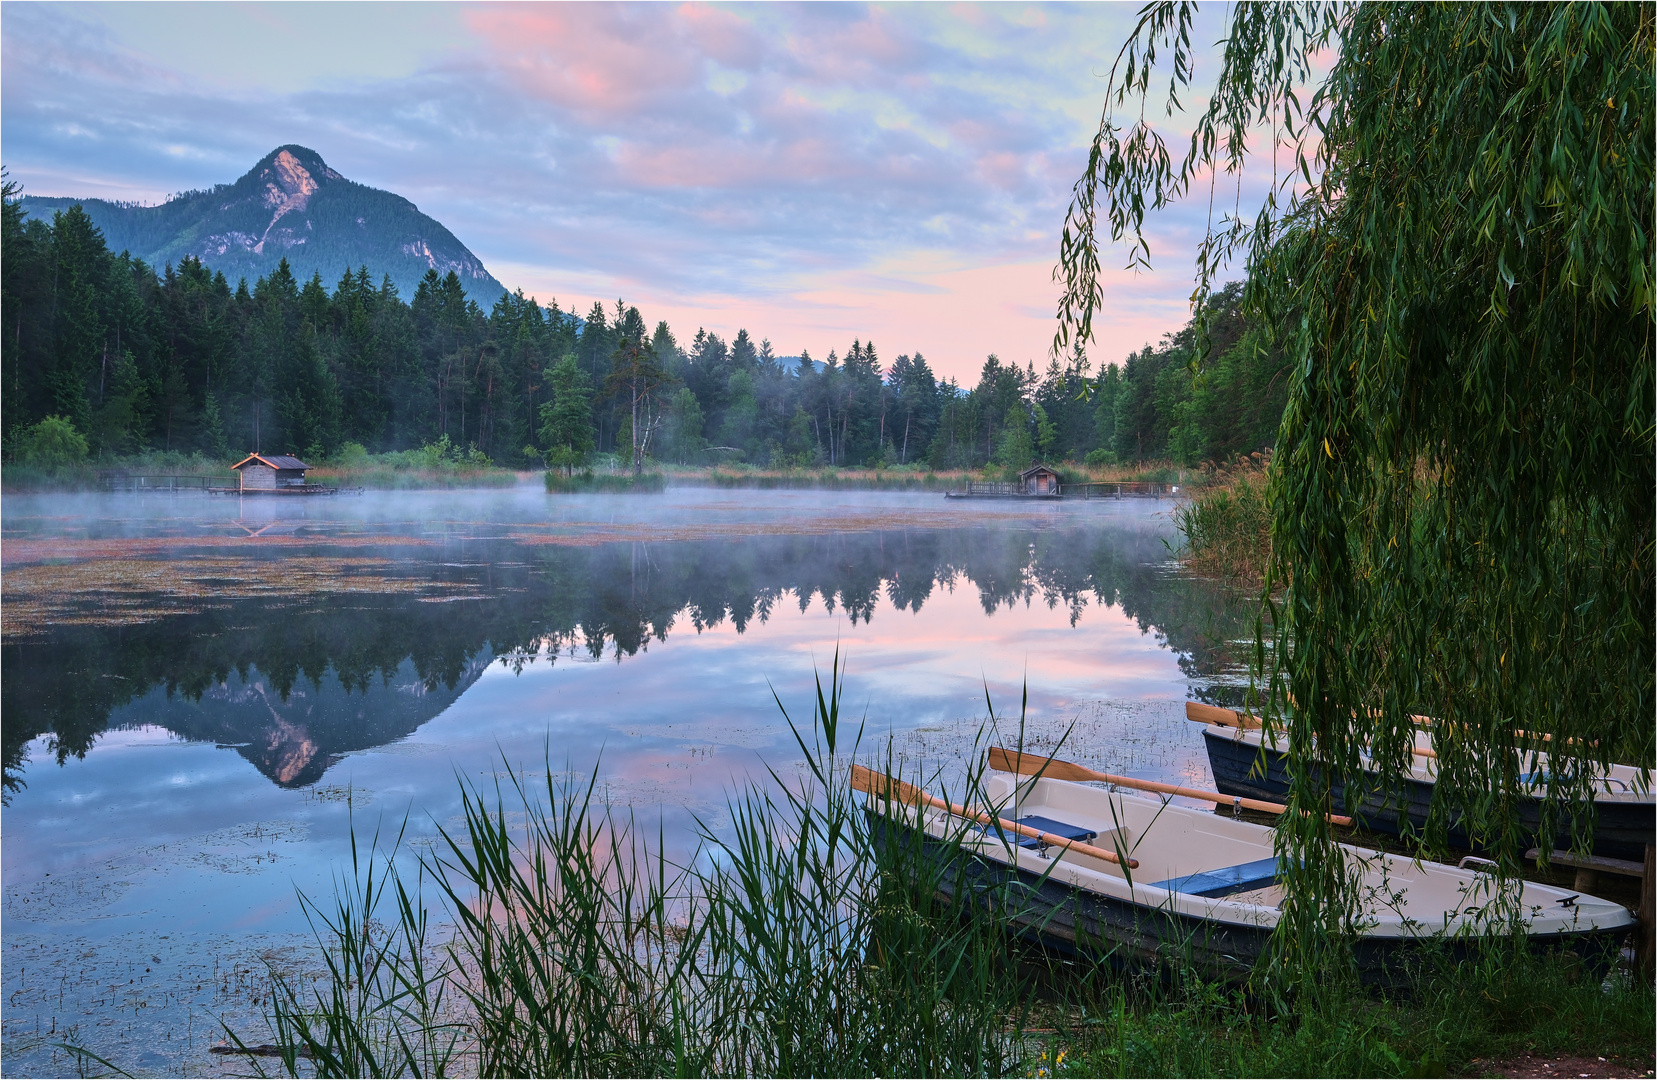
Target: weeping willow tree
(1456, 253)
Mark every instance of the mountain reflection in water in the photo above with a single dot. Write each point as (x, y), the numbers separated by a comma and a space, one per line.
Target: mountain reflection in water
(291, 683)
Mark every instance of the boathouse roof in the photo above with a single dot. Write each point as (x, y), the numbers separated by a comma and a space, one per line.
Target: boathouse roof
(274, 461)
(1032, 470)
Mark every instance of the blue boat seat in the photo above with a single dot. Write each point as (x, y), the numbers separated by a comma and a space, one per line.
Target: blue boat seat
(1539, 779)
(1224, 881)
(1061, 829)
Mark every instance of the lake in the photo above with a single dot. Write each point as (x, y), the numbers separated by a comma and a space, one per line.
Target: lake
(203, 699)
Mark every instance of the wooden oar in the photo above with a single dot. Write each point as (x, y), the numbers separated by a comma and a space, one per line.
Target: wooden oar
(1031, 764)
(1213, 714)
(873, 783)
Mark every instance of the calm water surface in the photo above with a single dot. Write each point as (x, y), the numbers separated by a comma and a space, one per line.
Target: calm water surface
(201, 699)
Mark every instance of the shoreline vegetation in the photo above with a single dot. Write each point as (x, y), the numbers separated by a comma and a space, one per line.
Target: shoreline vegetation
(1226, 524)
(806, 939)
(441, 465)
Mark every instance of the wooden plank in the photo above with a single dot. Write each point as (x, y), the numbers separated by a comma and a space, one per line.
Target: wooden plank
(1625, 867)
(873, 783)
(1034, 764)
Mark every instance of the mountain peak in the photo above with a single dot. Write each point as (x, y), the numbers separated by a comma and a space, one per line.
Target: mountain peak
(292, 167)
(291, 205)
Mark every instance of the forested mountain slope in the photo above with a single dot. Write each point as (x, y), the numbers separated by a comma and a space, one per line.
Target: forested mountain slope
(290, 205)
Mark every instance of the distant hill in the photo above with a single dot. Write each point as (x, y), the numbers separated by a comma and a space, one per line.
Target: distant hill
(292, 205)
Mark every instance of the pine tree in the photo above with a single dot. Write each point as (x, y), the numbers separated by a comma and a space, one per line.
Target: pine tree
(567, 418)
(81, 366)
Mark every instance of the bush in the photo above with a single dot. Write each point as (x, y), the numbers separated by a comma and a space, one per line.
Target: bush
(352, 453)
(51, 443)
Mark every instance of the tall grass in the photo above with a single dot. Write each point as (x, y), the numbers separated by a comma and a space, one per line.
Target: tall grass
(602, 482)
(381, 476)
(1462, 1016)
(805, 939)
(440, 464)
(1227, 522)
(19, 476)
(898, 477)
(792, 944)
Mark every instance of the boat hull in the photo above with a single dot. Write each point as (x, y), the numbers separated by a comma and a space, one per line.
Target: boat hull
(1135, 935)
(1622, 829)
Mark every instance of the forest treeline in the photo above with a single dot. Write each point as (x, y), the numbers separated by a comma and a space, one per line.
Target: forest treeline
(106, 356)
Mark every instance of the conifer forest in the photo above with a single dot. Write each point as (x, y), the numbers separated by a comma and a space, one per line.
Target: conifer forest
(178, 358)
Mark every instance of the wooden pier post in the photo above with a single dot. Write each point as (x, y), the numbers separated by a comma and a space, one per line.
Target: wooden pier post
(1647, 914)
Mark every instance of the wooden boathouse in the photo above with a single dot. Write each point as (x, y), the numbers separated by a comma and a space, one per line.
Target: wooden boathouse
(1044, 482)
(272, 474)
(1036, 482)
(1039, 480)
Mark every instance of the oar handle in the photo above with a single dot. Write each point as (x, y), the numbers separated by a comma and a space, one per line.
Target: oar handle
(1032, 764)
(875, 783)
(1213, 714)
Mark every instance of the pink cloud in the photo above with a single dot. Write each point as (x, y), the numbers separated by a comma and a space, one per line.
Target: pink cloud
(811, 173)
(601, 60)
(955, 316)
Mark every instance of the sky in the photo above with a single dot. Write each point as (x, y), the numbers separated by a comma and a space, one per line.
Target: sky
(814, 174)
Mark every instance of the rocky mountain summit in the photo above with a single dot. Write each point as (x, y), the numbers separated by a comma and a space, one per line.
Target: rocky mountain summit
(290, 205)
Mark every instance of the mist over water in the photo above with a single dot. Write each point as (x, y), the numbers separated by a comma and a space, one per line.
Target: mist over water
(201, 699)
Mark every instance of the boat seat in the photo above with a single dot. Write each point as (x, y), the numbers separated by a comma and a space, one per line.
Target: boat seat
(1540, 779)
(1225, 881)
(1078, 833)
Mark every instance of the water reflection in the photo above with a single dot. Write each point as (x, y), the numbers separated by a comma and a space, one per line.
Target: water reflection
(360, 655)
(366, 653)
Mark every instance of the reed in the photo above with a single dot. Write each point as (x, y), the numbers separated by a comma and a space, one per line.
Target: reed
(897, 477)
(603, 482)
(1227, 522)
(799, 940)
(808, 937)
(20, 476)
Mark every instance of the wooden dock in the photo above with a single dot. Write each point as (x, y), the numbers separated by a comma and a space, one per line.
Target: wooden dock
(153, 483)
(1121, 489)
(995, 489)
(294, 491)
(1125, 489)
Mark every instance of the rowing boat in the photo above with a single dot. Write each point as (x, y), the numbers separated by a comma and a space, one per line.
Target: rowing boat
(1193, 887)
(1625, 811)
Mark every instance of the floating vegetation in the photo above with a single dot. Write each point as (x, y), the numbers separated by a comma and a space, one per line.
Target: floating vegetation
(124, 591)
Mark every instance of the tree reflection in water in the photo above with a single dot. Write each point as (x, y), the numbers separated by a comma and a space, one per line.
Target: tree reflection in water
(293, 683)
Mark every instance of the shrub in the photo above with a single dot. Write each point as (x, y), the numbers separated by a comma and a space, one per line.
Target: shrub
(1101, 457)
(52, 442)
